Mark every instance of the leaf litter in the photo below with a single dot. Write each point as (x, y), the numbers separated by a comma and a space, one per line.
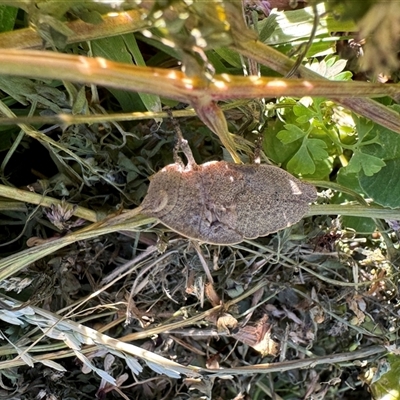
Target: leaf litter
(295, 310)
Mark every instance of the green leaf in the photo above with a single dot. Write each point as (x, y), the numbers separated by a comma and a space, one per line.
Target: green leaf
(151, 102)
(216, 62)
(359, 224)
(317, 148)
(25, 90)
(363, 126)
(343, 76)
(384, 186)
(172, 52)
(388, 146)
(7, 18)
(305, 114)
(80, 105)
(370, 165)
(323, 168)
(277, 151)
(53, 31)
(266, 27)
(7, 137)
(331, 67)
(230, 56)
(114, 48)
(335, 66)
(378, 164)
(350, 180)
(296, 24)
(90, 16)
(290, 134)
(301, 162)
(126, 164)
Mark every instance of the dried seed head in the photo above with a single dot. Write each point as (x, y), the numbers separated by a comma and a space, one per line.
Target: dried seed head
(225, 203)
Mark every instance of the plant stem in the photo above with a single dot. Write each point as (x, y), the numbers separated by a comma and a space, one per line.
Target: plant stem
(304, 363)
(69, 119)
(14, 263)
(45, 201)
(277, 61)
(175, 84)
(354, 211)
(112, 25)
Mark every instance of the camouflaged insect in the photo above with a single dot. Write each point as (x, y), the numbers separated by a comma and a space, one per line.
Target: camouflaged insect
(225, 203)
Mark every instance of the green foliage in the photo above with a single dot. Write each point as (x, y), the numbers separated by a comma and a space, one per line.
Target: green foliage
(349, 9)
(288, 27)
(311, 150)
(311, 144)
(311, 139)
(7, 18)
(330, 67)
(376, 161)
(384, 383)
(124, 48)
(384, 186)
(358, 224)
(361, 161)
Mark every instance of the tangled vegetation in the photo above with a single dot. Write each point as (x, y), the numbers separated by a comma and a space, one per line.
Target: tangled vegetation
(100, 302)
